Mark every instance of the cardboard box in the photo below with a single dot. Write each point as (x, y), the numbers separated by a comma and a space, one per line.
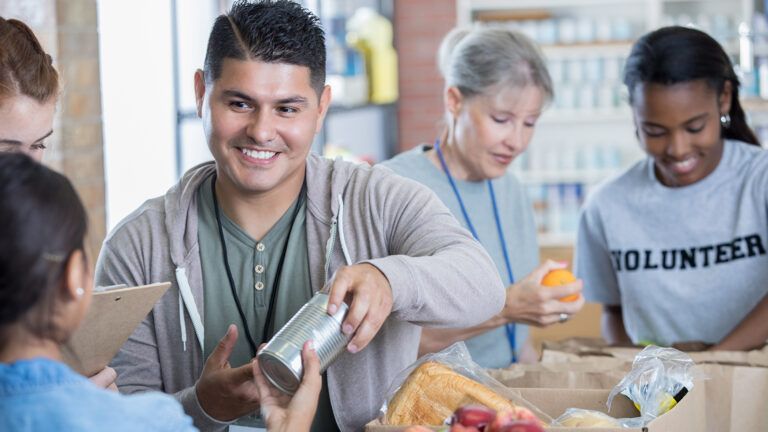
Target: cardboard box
(736, 398)
(602, 374)
(689, 414)
(587, 349)
(585, 324)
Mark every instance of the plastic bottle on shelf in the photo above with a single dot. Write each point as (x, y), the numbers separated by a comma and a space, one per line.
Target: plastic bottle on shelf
(553, 208)
(586, 97)
(760, 32)
(556, 72)
(371, 33)
(566, 30)
(569, 203)
(606, 97)
(537, 195)
(721, 26)
(593, 69)
(762, 76)
(345, 66)
(546, 31)
(529, 28)
(622, 29)
(585, 30)
(603, 30)
(746, 67)
(575, 71)
(566, 97)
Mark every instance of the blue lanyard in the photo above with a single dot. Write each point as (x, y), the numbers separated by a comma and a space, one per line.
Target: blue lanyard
(510, 328)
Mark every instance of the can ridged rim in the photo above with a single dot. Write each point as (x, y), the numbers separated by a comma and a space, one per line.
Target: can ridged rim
(270, 364)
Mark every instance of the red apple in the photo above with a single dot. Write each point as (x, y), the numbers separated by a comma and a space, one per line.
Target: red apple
(473, 415)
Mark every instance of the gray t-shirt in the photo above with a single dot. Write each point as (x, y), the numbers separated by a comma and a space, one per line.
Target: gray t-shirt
(687, 263)
(490, 349)
(254, 267)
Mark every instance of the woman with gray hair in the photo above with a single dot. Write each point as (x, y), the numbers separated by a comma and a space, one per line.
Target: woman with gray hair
(496, 86)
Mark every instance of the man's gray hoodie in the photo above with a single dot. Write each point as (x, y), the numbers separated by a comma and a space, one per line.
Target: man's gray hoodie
(440, 277)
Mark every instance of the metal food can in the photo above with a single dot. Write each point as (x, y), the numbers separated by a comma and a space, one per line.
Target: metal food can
(280, 359)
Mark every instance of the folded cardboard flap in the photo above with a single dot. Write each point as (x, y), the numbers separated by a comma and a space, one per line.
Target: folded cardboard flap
(590, 349)
(113, 316)
(573, 379)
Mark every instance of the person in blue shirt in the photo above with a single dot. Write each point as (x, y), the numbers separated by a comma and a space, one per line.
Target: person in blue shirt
(45, 291)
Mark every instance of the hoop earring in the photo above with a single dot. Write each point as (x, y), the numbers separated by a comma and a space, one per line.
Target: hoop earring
(725, 121)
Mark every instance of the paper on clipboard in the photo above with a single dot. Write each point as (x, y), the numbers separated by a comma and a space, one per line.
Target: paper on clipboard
(113, 316)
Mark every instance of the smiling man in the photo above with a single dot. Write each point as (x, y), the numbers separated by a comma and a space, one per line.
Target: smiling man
(247, 240)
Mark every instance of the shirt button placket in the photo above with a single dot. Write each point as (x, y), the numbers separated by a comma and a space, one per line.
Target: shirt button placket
(259, 268)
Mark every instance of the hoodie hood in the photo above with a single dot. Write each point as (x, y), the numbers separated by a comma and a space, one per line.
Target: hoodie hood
(181, 213)
(180, 202)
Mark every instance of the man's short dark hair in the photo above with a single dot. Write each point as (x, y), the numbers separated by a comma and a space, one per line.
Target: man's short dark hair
(271, 31)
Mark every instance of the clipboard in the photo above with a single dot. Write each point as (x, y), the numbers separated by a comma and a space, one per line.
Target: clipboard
(113, 316)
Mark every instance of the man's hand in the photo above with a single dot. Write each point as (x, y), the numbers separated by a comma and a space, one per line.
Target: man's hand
(529, 302)
(226, 393)
(105, 379)
(371, 297)
(283, 413)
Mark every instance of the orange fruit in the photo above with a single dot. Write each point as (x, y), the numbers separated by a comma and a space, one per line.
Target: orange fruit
(560, 277)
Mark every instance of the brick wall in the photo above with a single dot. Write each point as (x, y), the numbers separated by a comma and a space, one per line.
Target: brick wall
(419, 27)
(68, 31)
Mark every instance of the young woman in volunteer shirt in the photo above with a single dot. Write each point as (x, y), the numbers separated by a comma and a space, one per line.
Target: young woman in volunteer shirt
(675, 247)
(496, 86)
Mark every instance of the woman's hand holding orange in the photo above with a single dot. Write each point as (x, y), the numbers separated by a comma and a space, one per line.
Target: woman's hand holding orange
(529, 301)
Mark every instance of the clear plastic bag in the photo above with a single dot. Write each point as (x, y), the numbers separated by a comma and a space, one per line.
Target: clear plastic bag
(659, 378)
(577, 417)
(457, 358)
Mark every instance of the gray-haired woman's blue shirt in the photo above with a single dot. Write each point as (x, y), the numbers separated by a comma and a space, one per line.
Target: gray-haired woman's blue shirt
(490, 349)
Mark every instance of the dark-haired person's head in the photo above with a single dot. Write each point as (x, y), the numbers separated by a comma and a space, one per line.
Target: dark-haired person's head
(262, 95)
(29, 87)
(45, 279)
(271, 31)
(684, 95)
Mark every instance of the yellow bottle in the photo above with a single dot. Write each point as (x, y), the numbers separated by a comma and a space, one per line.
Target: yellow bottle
(371, 33)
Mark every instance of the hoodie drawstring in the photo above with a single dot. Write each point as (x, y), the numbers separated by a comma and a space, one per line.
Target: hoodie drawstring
(185, 294)
(182, 323)
(341, 231)
(337, 226)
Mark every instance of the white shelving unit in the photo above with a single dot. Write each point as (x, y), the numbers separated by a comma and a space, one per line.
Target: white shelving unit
(587, 135)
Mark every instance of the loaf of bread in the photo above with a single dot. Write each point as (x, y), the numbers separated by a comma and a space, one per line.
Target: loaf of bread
(433, 392)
